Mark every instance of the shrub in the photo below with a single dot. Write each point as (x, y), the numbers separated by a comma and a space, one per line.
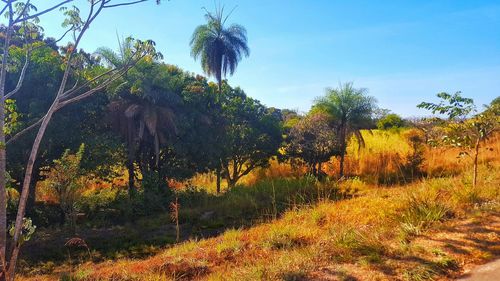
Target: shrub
(65, 181)
(390, 121)
(421, 210)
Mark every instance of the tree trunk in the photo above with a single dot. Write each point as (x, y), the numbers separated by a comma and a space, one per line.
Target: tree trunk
(231, 183)
(131, 175)
(218, 172)
(476, 154)
(343, 144)
(3, 155)
(30, 205)
(25, 190)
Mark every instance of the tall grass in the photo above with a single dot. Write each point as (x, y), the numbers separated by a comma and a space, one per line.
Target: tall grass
(264, 200)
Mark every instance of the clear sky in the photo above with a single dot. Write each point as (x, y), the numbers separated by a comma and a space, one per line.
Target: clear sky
(404, 52)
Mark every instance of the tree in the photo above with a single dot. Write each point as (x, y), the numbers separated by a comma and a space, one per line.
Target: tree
(312, 140)
(144, 106)
(76, 26)
(65, 180)
(463, 131)
(39, 87)
(220, 48)
(350, 110)
(252, 134)
(20, 22)
(390, 121)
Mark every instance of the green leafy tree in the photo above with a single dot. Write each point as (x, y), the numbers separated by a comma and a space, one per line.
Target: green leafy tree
(252, 134)
(312, 140)
(144, 107)
(390, 121)
(20, 13)
(65, 180)
(467, 133)
(350, 110)
(220, 49)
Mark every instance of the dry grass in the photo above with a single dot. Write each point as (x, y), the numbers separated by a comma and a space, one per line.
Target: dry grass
(423, 230)
(369, 235)
(383, 160)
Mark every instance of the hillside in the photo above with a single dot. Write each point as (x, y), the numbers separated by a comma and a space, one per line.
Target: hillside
(432, 229)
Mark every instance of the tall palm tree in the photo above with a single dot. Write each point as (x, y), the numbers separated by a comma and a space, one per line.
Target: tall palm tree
(140, 119)
(350, 110)
(220, 48)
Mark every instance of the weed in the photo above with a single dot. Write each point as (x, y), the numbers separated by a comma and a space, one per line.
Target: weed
(420, 211)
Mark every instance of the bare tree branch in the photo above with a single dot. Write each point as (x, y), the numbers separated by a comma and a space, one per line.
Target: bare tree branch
(24, 131)
(92, 91)
(73, 90)
(64, 35)
(124, 4)
(4, 8)
(21, 77)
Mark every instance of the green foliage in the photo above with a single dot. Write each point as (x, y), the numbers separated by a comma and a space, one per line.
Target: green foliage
(12, 117)
(231, 242)
(421, 211)
(312, 140)
(66, 181)
(350, 110)
(27, 230)
(390, 121)
(465, 133)
(455, 106)
(242, 203)
(220, 48)
(250, 134)
(346, 104)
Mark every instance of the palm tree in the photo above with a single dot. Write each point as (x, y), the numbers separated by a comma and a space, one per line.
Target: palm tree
(114, 59)
(141, 122)
(141, 119)
(350, 110)
(220, 48)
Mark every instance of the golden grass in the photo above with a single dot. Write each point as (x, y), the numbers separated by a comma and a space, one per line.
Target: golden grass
(356, 237)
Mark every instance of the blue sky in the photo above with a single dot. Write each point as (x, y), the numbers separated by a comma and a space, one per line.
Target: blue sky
(404, 52)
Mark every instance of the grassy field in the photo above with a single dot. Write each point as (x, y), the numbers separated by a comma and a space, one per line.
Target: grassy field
(282, 226)
(417, 232)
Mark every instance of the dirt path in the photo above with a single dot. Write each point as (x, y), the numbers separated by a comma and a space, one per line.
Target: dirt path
(486, 272)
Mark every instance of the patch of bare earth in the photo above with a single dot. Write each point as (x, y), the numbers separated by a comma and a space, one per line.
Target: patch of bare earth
(444, 253)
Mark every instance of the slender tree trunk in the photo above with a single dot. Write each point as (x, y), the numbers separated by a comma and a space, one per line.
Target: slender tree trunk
(25, 189)
(130, 170)
(218, 176)
(230, 183)
(3, 154)
(343, 144)
(32, 194)
(218, 170)
(476, 155)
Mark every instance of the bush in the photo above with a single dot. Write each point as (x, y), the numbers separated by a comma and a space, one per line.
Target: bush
(421, 210)
(390, 121)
